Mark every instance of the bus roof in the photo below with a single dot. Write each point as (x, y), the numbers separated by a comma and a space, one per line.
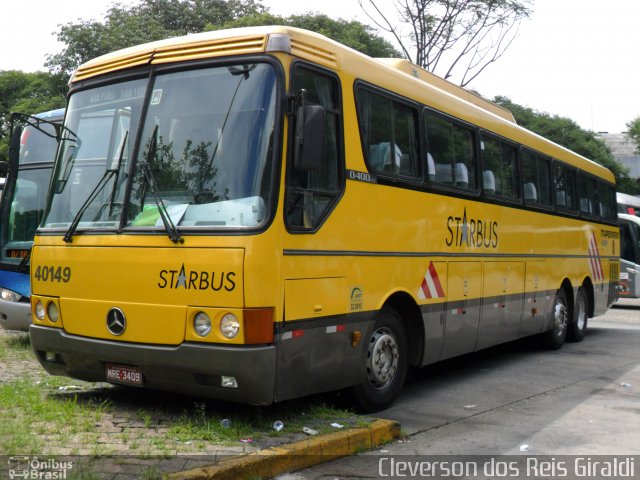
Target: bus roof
(395, 75)
(631, 218)
(57, 113)
(431, 78)
(628, 199)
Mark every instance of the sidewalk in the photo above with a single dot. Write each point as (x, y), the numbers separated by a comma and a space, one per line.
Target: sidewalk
(302, 454)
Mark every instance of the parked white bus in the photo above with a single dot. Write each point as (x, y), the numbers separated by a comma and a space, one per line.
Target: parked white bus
(628, 204)
(629, 256)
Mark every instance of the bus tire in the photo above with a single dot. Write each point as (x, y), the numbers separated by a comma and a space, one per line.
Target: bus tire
(554, 338)
(386, 363)
(578, 325)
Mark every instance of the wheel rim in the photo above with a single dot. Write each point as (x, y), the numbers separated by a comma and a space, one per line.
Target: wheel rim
(560, 318)
(581, 321)
(383, 355)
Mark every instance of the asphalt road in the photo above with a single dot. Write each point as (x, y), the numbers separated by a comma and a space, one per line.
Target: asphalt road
(517, 399)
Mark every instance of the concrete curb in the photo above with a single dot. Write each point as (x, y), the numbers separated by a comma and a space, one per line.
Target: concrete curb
(271, 462)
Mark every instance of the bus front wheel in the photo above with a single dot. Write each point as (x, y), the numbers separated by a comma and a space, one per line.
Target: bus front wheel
(385, 365)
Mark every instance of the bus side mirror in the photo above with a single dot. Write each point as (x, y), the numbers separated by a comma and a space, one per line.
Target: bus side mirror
(309, 137)
(4, 168)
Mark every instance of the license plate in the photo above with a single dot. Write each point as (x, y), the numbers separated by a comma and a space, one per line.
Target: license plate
(124, 374)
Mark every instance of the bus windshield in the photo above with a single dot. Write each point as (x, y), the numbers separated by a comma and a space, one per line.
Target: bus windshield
(194, 143)
(23, 212)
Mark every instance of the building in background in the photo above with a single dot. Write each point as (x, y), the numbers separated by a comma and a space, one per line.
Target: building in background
(624, 150)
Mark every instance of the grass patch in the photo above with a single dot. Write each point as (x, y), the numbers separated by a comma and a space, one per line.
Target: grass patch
(33, 419)
(257, 423)
(15, 346)
(39, 411)
(42, 414)
(51, 418)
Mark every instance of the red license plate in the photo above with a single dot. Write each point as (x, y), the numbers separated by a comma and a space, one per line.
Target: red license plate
(124, 374)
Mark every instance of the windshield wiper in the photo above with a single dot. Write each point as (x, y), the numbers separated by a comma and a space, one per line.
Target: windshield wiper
(108, 174)
(169, 226)
(117, 166)
(235, 71)
(25, 261)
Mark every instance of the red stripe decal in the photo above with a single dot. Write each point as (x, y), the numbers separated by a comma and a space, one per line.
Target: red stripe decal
(436, 280)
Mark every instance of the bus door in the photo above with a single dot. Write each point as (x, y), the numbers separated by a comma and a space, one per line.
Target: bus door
(502, 303)
(314, 338)
(462, 315)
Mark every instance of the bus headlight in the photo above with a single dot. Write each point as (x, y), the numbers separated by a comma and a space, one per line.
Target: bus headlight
(40, 311)
(202, 324)
(229, 326)
(9, 295)
(52, 312)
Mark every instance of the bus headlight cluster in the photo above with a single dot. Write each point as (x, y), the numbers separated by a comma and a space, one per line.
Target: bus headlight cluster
(9, 295)
(229, 326)
(202, 324)
(50, 311)
(40, 311)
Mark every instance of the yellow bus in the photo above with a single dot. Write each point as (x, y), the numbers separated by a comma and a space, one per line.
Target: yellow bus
(267, 214)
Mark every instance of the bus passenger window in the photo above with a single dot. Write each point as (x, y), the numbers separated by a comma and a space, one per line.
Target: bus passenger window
(565, 188)
(389, 139)
(499, 162)
(587, 192)
(451, 154)
(536, 189)
(607, 200)
(544, 181)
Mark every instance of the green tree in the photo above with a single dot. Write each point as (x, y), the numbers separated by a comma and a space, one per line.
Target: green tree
(125, 26)
(633, 132)
(150, 20)
(569, 134)
(27, 93)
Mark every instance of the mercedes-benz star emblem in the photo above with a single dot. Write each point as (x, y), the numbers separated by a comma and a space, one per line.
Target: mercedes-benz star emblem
(116, 321)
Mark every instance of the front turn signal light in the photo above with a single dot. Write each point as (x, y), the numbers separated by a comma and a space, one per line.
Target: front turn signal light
(258, 325)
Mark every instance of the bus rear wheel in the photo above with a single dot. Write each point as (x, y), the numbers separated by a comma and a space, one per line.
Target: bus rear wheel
(560, 313)
(385, 365)
(578, 326)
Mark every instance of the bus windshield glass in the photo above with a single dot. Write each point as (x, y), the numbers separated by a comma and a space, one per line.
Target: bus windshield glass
(24, 212)
(194, 145)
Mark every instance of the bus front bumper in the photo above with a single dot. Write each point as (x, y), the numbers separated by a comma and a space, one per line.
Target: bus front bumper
(189, 368)
(15, 315)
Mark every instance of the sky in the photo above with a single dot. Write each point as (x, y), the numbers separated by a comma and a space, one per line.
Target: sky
(572, 58)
